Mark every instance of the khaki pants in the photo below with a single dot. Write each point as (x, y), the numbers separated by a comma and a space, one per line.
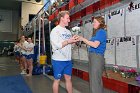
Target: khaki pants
(96, 67)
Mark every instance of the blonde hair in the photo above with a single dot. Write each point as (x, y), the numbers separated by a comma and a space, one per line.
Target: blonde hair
(102, 25)
(62, 14)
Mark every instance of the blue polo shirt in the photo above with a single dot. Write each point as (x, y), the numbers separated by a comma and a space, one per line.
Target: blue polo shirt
(100, 36)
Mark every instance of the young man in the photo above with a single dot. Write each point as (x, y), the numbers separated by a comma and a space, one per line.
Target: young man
(61, 40)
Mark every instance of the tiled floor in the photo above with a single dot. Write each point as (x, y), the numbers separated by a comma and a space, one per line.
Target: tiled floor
(41, 83)
(37, 83)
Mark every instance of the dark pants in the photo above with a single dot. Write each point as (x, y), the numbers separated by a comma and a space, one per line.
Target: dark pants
(96, 67)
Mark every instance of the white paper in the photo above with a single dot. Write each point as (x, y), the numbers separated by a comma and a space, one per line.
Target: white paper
(110, 51)
(139, 50)
(115, 24)
(87, 28)
(83, 53)
(75, 53)
(126, 52)
(132, 21)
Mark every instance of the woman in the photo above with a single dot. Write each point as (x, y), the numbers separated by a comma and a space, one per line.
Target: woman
(97, 48)
(30, 56)
(23, 43)
(17, 51)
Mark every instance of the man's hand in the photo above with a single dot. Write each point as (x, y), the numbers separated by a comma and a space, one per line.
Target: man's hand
(73, 39)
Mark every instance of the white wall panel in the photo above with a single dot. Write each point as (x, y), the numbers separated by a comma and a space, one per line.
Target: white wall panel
(133, 20)
(115, 23)
(5, 21)
(110, 51)
(126, 51)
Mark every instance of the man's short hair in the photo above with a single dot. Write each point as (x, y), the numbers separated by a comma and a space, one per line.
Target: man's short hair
(62, 14)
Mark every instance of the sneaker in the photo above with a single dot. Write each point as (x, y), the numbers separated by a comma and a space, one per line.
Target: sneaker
(23, 72)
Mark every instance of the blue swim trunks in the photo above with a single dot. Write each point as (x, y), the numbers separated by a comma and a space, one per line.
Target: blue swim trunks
(61, 67)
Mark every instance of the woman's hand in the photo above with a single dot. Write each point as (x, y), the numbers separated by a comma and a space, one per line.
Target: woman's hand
(80, 38)
(94, 44)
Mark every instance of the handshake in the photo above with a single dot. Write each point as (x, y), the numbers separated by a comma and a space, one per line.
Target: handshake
(75, 39)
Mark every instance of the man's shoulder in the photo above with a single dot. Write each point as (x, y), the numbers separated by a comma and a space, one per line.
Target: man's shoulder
(58, 29)
(55, 28)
